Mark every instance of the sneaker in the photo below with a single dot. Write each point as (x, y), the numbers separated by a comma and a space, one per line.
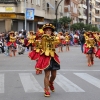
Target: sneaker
(51, 87)
(47, 93)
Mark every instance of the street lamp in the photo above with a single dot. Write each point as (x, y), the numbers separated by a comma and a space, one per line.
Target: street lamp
(57, 14)
(25, 12)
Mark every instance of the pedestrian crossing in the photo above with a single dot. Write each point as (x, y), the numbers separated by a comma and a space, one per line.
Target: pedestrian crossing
(31, 84)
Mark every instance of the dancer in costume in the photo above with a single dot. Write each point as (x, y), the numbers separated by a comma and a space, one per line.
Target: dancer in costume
(48, 60)
(67, 39)
(31, 40)
(62, 39)
(12, 43)
(76, 39)
(35, 53)
(98, 43)
(90, 48)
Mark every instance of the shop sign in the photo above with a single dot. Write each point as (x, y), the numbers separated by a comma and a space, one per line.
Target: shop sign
(9, 9)
(29, 13)
(7, 15)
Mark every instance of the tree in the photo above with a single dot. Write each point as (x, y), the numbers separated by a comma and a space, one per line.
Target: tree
(77, 26)
(94, 29)
(80, 26)
(65, 21)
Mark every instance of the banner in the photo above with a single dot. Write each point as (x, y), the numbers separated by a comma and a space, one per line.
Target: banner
(29, 14)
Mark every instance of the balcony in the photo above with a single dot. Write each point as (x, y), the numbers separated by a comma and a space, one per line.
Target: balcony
(82, 5)
(9, 1)
(97, 1)
(82, 17)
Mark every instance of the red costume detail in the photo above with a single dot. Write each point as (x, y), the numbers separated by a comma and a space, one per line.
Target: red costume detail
(44, 61)
(33, 55)
(98, 51)
(10, 43)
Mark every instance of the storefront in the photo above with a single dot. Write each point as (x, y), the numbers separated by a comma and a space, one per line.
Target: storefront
(16, 22)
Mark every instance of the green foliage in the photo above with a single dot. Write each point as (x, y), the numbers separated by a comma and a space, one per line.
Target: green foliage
(77, 26)
(95, 29)
(80, 26)
(64, 21)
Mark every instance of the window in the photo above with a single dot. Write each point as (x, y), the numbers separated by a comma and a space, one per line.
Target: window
(47, 7)
(32, 1)
(38, 2)
(44, 4)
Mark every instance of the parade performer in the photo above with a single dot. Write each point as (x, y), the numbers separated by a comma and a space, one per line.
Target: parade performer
(31, 39)
(90, 48)
(21, 45)
(98, 43)
(12, 43)
(67, 39)
(35, 53)
(76, 39)
(48, 60)
(62, 40)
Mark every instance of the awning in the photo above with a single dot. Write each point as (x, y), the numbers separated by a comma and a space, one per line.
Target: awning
(50, 5)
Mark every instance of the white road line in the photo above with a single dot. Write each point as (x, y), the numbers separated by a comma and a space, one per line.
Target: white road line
(1, 83)
(90, 79)
(29, 83)
(70, 70)
(67, 85)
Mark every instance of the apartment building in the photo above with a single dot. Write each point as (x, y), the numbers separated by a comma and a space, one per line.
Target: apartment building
(71, 10)
(12, 14)
(82, 9)
(94, 6)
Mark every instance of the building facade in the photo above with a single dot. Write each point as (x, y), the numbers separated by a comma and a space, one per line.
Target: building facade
(94, 6)
(12, 14)
(71, 10)
(82, 9)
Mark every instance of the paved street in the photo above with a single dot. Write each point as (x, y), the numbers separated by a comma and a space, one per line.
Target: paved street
(75, 80)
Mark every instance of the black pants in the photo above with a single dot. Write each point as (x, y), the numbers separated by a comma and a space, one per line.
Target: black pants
(2, 48)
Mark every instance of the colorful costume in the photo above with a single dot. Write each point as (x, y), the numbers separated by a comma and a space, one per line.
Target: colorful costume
(31, 39)
(89, 46)
(48, 59)
(67, 39)
(97, 54)
(76, 38)
(35, 53)
(12, 40)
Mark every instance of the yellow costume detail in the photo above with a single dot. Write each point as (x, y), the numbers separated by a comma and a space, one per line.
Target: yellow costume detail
(67, 38)
(48, 44)
(90, 42)
(12, 39)
(31, 38)
(38, 45)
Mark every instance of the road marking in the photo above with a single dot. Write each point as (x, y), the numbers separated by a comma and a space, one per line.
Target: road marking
(1, 83)
(67, 85)
(29, 83)
(70, 70)
(90, 79)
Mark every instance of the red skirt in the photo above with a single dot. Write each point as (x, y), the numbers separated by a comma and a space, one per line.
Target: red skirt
(89, 50)
(75, 40)
(97, 54)
(64, 42)
(33, 55)
(45, 61)
(11, 43)
(85, 48)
